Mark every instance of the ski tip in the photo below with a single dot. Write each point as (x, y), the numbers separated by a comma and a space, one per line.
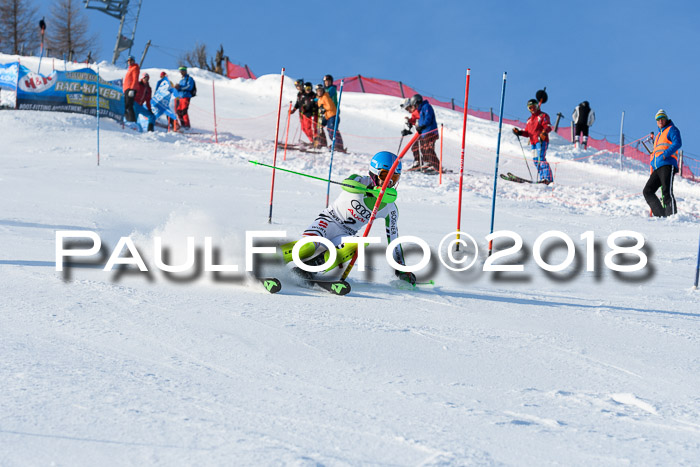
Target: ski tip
(271, 284)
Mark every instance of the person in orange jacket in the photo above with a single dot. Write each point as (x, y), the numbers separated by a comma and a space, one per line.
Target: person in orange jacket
(330, 116)
(537, 129)
(130, 86)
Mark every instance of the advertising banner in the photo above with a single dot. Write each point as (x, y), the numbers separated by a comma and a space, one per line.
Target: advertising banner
(69, 91)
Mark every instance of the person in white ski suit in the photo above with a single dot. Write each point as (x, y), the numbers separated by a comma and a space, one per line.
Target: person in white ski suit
(351, 211)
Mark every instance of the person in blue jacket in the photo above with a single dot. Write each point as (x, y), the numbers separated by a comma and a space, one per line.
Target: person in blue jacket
(186, 89)
(664, 166)
(427, 127)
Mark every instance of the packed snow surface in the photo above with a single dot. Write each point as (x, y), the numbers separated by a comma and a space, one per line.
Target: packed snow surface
(518, 368)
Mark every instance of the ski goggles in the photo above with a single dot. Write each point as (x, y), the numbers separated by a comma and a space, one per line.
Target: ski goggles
(382, 175)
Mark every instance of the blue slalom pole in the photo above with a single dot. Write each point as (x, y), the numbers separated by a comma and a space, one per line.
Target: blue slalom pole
(697, 269)
(335, 132)
(97, 106)
(498, 153)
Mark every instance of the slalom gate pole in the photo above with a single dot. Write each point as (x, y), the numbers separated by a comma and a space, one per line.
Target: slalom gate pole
(378, 202)
(442, 137)
(461, 163)
(697, 269)
(367, 190)
(525, 157)
(286, 132)
(213, 96)
(498, 153)
(274, 160)
(97, 102)
(335, 134)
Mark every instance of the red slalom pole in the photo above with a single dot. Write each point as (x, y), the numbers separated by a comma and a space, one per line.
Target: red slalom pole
(377, 203)
(461, 163)
(274, 160)
(213, 95)
(442, 138)
(286, 133)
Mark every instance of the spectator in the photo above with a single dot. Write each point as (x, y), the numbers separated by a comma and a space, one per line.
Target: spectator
(186, 88)
(423, 118)
(583, 118)
(330, 117)
(172, 123)
(299, 84)
(308, 112)
(143, 98)
(330, 88)
(664, 166)
(537, 129)
(410, 122)
(130, 85)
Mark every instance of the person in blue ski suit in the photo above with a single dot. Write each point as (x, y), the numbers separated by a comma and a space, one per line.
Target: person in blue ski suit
(427, 127)
(184, 88)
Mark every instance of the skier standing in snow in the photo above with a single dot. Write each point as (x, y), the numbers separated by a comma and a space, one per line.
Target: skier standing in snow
(583, 118)
(330, 116)
(185, 89)
(423, 118)
(537, 129)
(664, 166)
(130, 85)
(351, 211)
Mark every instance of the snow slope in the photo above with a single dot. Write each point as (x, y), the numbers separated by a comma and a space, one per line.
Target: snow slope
(531, 368)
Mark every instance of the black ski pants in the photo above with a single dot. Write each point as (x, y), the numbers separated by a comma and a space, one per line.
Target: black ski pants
(661, 177)
(129, 114)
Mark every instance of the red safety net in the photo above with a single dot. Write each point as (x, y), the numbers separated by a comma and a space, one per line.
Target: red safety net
(237, 71)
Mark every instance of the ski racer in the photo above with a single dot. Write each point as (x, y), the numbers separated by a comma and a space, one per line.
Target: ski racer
(664, 166)
(350, 212)
(537, 129)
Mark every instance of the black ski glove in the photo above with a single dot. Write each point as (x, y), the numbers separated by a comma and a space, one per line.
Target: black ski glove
(419, 129)
(406, 132)
(406, 276)
(516, 132)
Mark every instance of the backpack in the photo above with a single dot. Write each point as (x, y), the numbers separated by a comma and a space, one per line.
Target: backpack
(194, 87)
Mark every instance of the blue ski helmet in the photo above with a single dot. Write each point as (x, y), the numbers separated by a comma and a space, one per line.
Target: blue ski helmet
(380, 165)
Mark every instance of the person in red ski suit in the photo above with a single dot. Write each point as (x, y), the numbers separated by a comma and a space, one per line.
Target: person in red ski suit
(537, 129)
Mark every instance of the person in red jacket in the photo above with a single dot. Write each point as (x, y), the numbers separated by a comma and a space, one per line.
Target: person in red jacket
(130, 85)
(143, 98)
(537, 129)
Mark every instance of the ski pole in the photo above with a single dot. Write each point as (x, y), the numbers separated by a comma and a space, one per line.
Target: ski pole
(367, 190)
(378, 202)
(400, 143)
(525, 157)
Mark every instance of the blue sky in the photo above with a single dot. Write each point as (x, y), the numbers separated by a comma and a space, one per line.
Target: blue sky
(636, 56)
